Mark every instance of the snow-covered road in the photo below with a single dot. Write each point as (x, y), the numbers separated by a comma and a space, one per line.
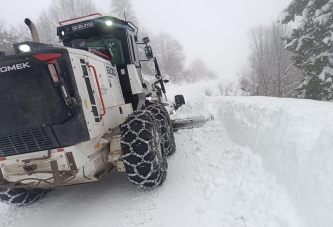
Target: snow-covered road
(211, 182)
(262, 162)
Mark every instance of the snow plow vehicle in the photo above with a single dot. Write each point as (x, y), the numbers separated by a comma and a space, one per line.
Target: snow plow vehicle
(69, 114)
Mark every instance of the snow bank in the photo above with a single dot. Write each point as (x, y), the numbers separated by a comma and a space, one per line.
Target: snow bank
(295, 140)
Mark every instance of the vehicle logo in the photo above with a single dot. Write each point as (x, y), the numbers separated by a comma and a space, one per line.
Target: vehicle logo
(18, 66)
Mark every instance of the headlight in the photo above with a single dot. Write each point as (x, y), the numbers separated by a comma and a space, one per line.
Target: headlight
(24, 48)
(108, 23)
(62, 32)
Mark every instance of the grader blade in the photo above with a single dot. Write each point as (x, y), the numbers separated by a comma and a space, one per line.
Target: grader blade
(191, 122)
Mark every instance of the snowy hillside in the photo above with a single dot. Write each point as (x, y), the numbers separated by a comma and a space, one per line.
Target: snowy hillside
(262, 162)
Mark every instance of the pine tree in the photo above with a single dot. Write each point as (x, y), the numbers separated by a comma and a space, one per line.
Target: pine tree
(118, 7)
(312, 44)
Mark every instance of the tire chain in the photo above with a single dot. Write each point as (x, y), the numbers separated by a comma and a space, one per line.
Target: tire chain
(142, 153)
(22, 196)
(162, 116)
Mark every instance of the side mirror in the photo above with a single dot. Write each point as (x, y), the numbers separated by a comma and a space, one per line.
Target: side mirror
(149, 52)
(145, 40)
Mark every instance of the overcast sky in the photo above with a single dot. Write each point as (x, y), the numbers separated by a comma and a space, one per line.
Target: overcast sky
(213, 30)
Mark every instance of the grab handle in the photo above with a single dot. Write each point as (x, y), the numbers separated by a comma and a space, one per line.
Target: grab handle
(99, 90)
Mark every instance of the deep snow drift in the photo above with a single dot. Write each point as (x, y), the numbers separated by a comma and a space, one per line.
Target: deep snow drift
(262, 162)
(293, 137)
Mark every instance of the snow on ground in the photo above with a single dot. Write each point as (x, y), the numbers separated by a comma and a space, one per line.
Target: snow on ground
(262, 162)
(293, 137)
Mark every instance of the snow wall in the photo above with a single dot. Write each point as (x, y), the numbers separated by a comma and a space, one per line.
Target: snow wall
(295, 141)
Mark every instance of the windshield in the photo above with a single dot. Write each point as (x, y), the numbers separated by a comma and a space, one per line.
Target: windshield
(110, 46)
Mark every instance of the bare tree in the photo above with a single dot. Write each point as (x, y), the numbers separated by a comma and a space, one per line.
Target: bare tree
(170, 54)
(236, 90)
(211, 75)
(227, 90)
(61, 10)
(2, 24)
(66, 9)
(122, 8)
(260, 58)
(208, 92)
(283, 65)
(245, 85)
(46, 23)
(8, 35)
(47, 28)
(221, 88)
(198, 71)
(272, 72)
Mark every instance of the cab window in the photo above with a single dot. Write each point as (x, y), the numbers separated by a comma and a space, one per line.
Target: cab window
(110, 46)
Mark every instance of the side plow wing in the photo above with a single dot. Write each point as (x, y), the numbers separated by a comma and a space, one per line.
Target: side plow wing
(192, 122)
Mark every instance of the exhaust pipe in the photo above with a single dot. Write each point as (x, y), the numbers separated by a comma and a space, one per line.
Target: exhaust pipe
(33, 30)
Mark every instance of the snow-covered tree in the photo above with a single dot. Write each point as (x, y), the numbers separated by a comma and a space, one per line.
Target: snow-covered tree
(119, 7)
(312, 44)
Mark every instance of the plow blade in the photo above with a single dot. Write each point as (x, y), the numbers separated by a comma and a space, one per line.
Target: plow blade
(188, 123)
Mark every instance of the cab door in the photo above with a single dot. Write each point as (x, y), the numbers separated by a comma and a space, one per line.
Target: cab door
(91, 105)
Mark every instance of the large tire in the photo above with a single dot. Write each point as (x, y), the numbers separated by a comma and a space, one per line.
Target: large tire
(162, 116)
(142, 152)
(22, 196)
